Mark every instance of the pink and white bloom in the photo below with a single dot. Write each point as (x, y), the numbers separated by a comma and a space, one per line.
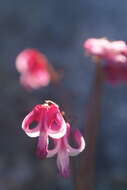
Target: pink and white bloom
(64, 150)
(33, 67)
(114, 57)
(108, 50)
(49, 123)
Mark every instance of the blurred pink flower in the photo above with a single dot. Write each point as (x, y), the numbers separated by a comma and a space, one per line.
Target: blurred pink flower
(64, 150)
(114, 57)
(49, 123)
(33, 67)
(109, 50)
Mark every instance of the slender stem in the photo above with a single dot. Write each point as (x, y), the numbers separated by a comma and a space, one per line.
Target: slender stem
(55, 76)
(86, 176)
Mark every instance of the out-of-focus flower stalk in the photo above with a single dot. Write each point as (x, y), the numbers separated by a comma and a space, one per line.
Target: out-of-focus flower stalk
(55, 76)
(86, 175)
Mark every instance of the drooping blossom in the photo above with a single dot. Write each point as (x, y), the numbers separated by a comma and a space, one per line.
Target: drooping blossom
(49, 123)
(33, 68)
(63, 150)
(113, 55)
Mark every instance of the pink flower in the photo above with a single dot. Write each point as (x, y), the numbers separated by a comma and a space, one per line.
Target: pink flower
(109, 50)
(33, 67)
(64, 150)
(49, 123)
(113, 54)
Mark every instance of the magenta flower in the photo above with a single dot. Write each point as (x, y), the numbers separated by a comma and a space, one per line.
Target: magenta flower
(113, 54)
(64, 150)
(50, 123)
(33, 67)
(115, 74)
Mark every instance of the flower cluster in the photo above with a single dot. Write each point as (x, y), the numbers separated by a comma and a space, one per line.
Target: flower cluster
(113, 54)
(33, 67)
(51, 124)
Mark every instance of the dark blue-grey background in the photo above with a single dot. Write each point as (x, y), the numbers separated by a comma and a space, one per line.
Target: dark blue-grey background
(58, 29)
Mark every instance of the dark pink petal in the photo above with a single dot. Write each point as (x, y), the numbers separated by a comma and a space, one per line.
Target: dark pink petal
(115, 72)
(42, 146)
(53, 109)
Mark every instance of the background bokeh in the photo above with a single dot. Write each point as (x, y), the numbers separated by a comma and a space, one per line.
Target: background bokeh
(58, 29)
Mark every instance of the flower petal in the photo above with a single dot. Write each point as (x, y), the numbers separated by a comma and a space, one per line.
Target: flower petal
(42, 146)
(80, 142)
(63, 163)
(58, 133)
(26, 123)
(56, 125)
(54, 151)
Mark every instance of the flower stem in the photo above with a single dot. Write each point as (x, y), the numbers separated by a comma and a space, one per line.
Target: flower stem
(55, 75)
(86, 175)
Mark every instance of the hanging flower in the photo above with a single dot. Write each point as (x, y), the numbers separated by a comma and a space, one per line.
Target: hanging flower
(33, 67)
(114, 57)
(64, 150)
(49, 123)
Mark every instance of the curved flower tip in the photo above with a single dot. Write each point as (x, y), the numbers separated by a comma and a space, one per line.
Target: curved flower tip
(79, 140)
(64, 150)
(33, 67)
(28, 120)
